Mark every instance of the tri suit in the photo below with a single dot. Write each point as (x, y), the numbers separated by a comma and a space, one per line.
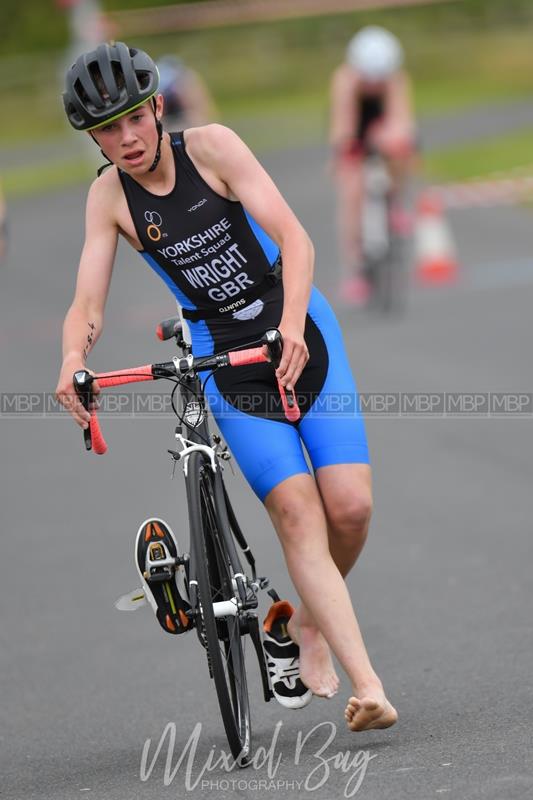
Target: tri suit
(370, 110)
(223, 270)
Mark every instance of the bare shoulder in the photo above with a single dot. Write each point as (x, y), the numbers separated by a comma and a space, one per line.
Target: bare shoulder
(344, 77)
(104, 196)
(205, 143)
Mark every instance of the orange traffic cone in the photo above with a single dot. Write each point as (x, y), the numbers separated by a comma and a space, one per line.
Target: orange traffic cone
(435, 256)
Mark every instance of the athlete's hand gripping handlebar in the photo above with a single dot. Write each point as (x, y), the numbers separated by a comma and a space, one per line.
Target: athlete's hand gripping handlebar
(83, 380)
(273, 341)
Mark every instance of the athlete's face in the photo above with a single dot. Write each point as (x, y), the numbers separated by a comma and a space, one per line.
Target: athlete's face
(130, 142)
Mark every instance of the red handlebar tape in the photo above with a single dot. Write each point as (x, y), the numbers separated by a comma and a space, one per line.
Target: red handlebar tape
(118, 378)
(237, 358)
(98, 441)
(292, 412)
(254, 355)
(123, 376)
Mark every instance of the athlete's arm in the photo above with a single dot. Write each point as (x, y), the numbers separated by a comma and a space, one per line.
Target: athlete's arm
(399, 121)
(84, 319)
(344, 108)
(199, 105)
(241, 177)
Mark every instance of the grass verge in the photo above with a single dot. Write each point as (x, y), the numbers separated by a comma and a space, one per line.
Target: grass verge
(513, 152)
(46, 177)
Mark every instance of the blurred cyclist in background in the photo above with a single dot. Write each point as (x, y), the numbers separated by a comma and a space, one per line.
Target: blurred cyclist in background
(187, 101)
(370, 109)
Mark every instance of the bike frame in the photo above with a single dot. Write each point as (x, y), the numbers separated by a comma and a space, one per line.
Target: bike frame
(382, 248)
(209, 454)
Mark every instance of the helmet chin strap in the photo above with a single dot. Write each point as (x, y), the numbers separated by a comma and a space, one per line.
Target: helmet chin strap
(104, 166)
(157, 158)
(159, 128)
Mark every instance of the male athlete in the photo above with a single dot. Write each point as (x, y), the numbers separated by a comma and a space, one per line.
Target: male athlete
(370, 101)
(210, 222)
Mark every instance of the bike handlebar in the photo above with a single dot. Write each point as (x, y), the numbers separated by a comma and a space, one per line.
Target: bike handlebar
(83, 380)
(121, 377)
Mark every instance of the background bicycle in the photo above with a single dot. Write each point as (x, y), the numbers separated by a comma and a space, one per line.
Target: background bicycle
(384, 244)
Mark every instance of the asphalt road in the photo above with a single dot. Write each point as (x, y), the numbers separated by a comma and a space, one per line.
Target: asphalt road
(443, 589)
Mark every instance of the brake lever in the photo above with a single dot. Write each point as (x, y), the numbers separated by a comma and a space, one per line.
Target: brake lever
(274, 344)
(273, 340)
(83, 382)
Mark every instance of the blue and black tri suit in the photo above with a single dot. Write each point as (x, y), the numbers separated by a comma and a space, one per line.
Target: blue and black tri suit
(221, 267)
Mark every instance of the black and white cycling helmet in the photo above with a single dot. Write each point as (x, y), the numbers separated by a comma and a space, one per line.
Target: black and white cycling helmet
(375, 53)
(107, 83)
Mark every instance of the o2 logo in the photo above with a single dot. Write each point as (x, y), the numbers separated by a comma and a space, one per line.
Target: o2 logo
(153, 229)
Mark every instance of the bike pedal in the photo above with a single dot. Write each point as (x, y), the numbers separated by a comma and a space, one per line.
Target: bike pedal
(158, 575)
(160, 567)
(156, 552)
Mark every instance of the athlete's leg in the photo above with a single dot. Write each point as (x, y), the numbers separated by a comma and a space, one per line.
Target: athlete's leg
(297, 511)
(346, 492)
(349, 185)
(333, 432)
(399, 150)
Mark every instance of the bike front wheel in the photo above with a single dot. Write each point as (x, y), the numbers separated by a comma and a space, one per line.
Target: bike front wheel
(222, 636)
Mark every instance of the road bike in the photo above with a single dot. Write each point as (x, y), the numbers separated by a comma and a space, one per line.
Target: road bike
(383, 248)
(221, 583)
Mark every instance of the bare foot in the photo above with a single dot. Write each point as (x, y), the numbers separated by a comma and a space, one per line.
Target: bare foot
(316, 667)
(369, 712)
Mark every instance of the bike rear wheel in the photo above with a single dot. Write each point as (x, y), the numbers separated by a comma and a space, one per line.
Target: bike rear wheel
(214, 571)
(387, 276)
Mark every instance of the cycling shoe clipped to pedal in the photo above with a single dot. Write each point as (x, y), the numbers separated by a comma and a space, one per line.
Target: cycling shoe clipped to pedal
(163, 576)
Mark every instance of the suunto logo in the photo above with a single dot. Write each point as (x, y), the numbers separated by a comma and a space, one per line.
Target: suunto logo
(197, 205)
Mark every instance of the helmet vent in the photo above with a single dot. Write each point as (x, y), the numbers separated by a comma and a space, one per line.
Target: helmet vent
(80, 91)
(96, 75)
(144, 79)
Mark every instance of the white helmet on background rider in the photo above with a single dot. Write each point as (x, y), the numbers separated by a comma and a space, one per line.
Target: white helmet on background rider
(375, 53)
